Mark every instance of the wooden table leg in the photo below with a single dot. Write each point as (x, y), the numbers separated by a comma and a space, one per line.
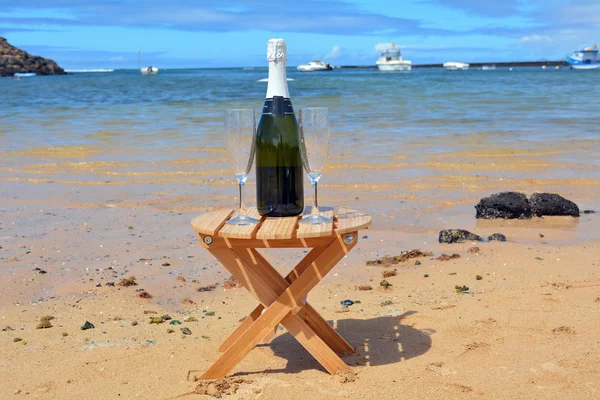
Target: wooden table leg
(278, 311)
(308, 314)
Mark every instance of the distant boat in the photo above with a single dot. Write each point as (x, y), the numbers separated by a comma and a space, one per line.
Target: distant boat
(585, 59)
(314, 66)
(391, 60)
(455, 66)
(150, 70)
(488, 67)
(24, 74)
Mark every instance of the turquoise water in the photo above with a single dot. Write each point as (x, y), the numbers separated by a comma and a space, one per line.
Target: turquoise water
(413, 149)
(123, 108)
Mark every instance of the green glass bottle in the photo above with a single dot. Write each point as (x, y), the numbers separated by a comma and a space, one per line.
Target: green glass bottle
(279, 176)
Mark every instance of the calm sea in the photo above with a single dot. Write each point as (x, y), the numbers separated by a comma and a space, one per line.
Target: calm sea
(404, 145)
(180, 107)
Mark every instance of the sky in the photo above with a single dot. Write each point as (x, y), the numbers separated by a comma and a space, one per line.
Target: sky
(81, 34)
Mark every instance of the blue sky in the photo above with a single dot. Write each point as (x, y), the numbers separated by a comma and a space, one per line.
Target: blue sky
(219, 33)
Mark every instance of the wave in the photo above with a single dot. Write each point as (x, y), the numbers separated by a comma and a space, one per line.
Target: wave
(89, 70)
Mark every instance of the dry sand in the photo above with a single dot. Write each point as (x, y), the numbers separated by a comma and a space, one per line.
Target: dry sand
(529, 329)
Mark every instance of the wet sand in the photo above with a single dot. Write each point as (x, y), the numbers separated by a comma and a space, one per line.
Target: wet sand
(528, 329)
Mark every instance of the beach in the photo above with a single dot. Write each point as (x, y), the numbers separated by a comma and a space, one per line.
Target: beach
(97, 190)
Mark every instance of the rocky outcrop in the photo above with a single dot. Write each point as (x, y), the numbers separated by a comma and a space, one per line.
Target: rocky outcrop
(13, 60)
(552, 204)
(505, 205)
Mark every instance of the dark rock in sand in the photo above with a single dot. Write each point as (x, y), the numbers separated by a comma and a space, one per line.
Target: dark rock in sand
(456, 236)
(87, 325)
(13, 60)
(583, 212)
(497, 236)
(186, 331)
(552, 204)
(505, 205)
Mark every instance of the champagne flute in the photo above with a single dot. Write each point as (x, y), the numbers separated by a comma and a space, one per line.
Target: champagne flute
(240, 133)
(314, 146)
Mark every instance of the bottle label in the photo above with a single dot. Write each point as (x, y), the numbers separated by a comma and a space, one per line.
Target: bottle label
(278, 106)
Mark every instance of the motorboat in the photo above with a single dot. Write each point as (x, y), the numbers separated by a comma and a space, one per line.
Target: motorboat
(315, 66)
(455, 66)
(391, 60)
(585, 59)
(24, 74)
(488, 67)
(149, 70)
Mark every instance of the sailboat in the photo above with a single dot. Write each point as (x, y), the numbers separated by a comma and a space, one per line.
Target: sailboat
(149, 70)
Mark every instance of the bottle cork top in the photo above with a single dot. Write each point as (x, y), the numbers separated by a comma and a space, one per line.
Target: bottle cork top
(276, 50)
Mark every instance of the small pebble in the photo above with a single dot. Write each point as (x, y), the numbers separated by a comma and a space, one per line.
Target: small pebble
(186, 331)
(87, 325)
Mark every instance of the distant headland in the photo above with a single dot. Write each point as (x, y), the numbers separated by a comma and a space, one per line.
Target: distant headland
(14, 60)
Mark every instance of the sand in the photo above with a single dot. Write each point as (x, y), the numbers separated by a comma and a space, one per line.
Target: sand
(528, 329)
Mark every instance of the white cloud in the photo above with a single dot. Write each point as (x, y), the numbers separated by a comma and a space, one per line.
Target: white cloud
(535, 39)
(379, 47)
(335, 52)
(119, 59)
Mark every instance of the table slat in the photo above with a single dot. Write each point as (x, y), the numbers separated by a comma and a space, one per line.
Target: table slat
(277, 228)
(210, 223)
(352, 220)
(320, 230)
(241, 232)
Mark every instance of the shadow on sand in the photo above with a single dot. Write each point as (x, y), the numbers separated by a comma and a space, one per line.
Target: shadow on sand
(377, 341)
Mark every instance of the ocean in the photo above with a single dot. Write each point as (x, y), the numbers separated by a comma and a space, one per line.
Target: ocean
(405, 146)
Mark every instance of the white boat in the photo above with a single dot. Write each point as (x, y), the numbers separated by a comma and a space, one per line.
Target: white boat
(488, 67)
(455, 66)
(391, 60)
(585, 59)
(24, 74)
(315, 66)
(149, 70)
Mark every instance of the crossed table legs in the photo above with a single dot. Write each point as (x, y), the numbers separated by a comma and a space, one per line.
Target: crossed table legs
(281, 303)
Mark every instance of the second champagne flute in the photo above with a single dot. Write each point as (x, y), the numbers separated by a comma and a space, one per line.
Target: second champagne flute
(314, 147)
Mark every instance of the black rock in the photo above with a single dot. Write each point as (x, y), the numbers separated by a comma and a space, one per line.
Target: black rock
(186, 331)
(110, 284)
(98, 285)
(87, 325)
(505, 205)
(417, 262)
(497, 236)
(552, 204)
(456, 236)
(583, 212)
(346, 303)
(40, 271)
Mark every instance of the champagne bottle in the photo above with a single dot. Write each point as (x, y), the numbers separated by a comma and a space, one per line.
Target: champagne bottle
(279, 176)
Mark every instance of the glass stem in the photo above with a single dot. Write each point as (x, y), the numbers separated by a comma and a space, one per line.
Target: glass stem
(315, 207)
(242, 211)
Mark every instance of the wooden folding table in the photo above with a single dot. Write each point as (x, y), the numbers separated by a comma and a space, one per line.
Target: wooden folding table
(281, 298)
